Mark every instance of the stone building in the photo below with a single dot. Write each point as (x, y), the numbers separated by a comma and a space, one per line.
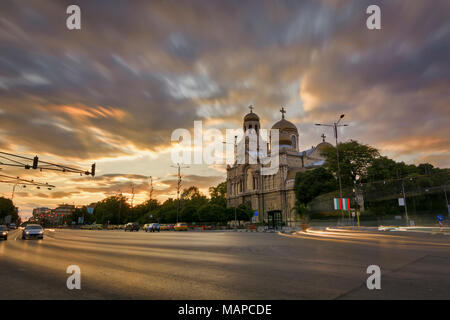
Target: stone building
(272, 196)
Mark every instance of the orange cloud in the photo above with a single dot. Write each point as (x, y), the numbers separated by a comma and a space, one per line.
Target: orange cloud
(82, 111)
(410, 145)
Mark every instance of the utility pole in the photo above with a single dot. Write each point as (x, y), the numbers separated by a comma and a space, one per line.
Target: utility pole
(132, 194)
(179, 185)
(404, 199)
(151, 188)
(120, 204)
(335, 126)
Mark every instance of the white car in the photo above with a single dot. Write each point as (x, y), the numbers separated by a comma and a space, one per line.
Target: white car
(151, 227)
(33, 231)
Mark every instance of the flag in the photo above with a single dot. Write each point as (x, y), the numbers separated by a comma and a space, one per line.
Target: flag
(341, 203)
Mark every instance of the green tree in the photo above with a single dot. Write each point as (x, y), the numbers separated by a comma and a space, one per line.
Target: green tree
(312, 183)
(211, 213)
(189, 214)
(114, 209)
(354, 160)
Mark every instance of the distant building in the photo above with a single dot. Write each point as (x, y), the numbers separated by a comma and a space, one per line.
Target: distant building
(37, 212)
(64, 209)
(272, 196)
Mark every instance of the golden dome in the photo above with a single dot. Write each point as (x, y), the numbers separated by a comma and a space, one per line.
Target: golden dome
(283, 124)
(251, 117)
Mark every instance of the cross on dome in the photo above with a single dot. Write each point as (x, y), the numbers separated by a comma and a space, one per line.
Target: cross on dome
(283, 111)
(251, 108)
(323, 137)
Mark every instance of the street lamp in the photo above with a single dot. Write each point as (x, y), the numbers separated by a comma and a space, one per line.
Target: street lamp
(179, 167)
(335, 125)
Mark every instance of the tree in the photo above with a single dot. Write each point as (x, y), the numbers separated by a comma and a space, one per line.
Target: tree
(80, 212)
(189, 214)
(7, 208)
(312, 183)
(142, 212)
(191, 193)
(382, 168)
(114, 209)
(218, 194)
(211, 213)
(354, 160)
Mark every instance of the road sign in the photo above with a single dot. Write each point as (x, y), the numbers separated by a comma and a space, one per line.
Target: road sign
(90, 210)
(401, 202)
(440, 217)
(254, 219)
(256, 213)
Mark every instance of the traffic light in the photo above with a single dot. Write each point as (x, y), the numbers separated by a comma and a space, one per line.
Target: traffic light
(93, 170)
(35, 162)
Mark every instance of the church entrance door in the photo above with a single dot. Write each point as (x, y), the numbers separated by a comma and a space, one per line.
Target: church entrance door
(274, 219)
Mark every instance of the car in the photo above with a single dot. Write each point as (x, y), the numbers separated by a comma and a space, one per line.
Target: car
(164, 227)
(154, 227)
(12, 226)
(33, 231)
(151, 227)
(181, 226)
(132, 226)
(3, 232)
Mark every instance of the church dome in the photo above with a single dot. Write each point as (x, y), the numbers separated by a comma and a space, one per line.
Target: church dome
(288, 133)
(284, 124)
(323, 145)
(251, 117)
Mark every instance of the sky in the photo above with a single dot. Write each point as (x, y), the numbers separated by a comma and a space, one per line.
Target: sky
(113, 92)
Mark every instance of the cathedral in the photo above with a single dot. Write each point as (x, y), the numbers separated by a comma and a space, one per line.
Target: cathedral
(272, 197)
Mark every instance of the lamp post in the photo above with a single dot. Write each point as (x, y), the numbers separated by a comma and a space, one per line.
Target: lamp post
(179, 185)
(335, 125)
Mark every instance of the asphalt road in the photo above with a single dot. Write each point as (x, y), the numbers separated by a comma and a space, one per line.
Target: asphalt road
(327, 264)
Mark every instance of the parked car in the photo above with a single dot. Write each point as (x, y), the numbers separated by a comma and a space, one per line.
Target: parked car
(181, 226)
(164, 227)
(33, 231)
(132, 226)
(151, 227)
(3, 232)
(12, 226)
(154, 227)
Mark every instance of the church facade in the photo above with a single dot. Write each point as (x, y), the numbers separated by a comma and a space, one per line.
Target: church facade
(272, 196)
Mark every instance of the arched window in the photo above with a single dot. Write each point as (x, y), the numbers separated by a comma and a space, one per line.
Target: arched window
(294, 142)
